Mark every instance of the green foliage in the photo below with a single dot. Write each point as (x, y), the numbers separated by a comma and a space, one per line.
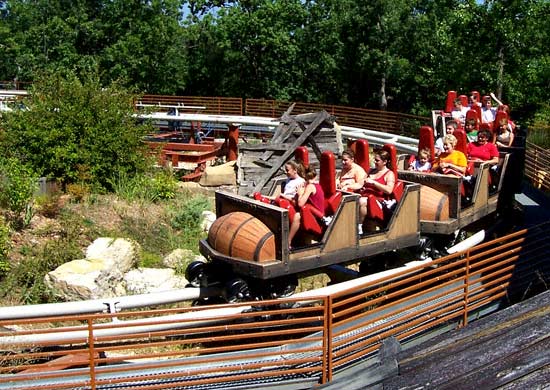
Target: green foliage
(25, 281)
(4, 246)
(17, 186)
(539, 131)
(76, 131)
(140, 43)
(150, 260)
(402, 53)
(177, 226)
(188, 216)
(152, 187)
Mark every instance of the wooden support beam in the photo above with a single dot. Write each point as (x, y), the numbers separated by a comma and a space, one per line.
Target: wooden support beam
(313, 126)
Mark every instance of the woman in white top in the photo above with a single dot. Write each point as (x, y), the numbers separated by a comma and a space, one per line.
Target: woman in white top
(294, 172)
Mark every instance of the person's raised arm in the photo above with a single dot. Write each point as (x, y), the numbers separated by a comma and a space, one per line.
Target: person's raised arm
(496, 100)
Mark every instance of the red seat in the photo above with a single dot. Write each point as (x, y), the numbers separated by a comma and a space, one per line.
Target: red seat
(462, 140)
(425, 141)
(474, 113)
(486, 126)
(301, 154)
(362, 154)
(449, 103)
(498, 117)
(311, 217)
(464, 100)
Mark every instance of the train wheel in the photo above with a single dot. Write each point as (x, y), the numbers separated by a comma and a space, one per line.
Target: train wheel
(283, 286)
(237, 290)
(373, 265)
(195, 273)
(460, 236)
(428, 249)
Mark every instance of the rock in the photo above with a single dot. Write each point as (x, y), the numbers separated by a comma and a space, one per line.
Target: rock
(100, 275)
(208, 218)
(118, 255)
(177, 258)
(150, 280)
(76, 280)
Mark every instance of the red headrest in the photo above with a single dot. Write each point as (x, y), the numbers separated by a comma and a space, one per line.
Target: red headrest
(474, 113)
(328, 173)
(498, 117)
(362, 154)
(462, 140)
(301, 154)
(464, 100)
(486, 126)
(426, 140)
(449, 103)
(476, 94)
(393, 157)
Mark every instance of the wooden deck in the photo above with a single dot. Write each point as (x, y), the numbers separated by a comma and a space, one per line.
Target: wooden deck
(507, 350)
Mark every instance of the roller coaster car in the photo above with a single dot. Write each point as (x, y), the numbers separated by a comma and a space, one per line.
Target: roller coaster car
(450, 203)
(251, 236)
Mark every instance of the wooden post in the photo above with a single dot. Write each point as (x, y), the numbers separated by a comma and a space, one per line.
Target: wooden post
(232, 142)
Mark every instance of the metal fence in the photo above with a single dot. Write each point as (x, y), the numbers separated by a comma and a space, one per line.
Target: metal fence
(297, 339)
(385, 121)
(537, 163)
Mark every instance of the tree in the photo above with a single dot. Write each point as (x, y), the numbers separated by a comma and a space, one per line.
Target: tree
(75, 131)
(139, 42)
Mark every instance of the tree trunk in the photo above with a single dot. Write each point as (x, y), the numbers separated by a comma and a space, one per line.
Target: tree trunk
(383, 98)
(500, 75)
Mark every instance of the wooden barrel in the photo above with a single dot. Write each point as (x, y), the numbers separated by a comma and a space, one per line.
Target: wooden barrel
(243, 236)
(434, 205)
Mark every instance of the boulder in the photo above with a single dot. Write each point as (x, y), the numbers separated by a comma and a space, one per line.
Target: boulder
(99, 275)
(117, 255)
(177, 258)
(151, 280)
(180, 258)
(208, 218)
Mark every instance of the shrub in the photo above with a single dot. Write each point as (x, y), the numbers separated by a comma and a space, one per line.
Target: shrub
(151, 187)
(25, 281)
(77, 131)
(189, 214)
(17, 186)
(4, 246)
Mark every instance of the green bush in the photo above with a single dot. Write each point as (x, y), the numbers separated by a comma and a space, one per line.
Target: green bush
(18, 183)
(188, 216)
(4, 246)
(25, 281)
(77, 131)
(152, 187)
(539, 131)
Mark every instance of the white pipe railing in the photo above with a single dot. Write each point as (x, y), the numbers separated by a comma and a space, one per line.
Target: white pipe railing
(106, 305)
(402, 143)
